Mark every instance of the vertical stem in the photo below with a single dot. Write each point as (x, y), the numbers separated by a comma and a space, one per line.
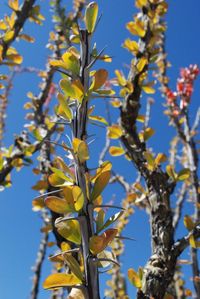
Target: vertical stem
(86, 217)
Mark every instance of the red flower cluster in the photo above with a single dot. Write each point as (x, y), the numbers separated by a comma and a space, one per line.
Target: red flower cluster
(184, 90)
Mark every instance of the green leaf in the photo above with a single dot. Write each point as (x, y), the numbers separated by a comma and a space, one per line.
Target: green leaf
(100, 220)
(91, 14)
(73, 265)
(183, 174)
(110, 221)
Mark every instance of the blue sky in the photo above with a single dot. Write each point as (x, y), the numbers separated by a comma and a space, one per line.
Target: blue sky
(19, 226)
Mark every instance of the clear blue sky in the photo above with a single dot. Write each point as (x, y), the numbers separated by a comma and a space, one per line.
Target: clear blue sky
(19, 226)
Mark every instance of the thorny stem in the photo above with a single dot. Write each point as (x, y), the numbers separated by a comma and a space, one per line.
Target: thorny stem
(86, 217)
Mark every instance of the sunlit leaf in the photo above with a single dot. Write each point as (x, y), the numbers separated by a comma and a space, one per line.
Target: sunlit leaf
(71, 62)
(136, 28)
(56, 204)
(99, 79)
(114, 132)
(99, 119)
(188, 222)
(91, 14)
(134, 278)
(81, 149)
(99, 243)
(59, 280)
(116, 151)
(100, 183)
(65, 108)
(110, 221)
(70, 230)
(141, 64)
(183, 174)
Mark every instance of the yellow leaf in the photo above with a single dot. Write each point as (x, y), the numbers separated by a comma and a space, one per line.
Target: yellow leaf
(120, 78)
(59, 280)
(91, 14)
(134, 278)
(188, 222)
(136, 28)
(8, 35)
(183, 174)
(150, 160)
(78, 198)
(15, 58)
(100, 183)
(141, 64)
(14, 4)
(81, 149)
(141, 118)
(160, 158)
(116, 151)
(148, 132)
(56, 181)
(38, 204)
(148, 89)
(192, 242)
(99, 243)
(57, 204)
(105, 166)
(3, 25)
(131, 45)
(141, 3)
(98, 118)
(99, 79)
(114, 132)
(171, 172)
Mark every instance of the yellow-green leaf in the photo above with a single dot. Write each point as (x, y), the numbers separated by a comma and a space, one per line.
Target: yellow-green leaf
(59, 280)
(100, 183)
(81, 149)
(71, 62)
(91, 14)
(134, 278)
(70, 230)
(65, 108)
(183, 174)
(73, 266)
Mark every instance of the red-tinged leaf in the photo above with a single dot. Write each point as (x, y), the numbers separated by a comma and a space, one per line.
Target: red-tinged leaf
(99, 243)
